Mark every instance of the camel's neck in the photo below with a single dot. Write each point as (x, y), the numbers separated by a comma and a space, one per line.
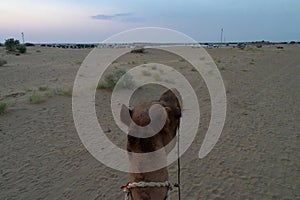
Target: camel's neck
(158, 193)
(155, 176)
(160, 175)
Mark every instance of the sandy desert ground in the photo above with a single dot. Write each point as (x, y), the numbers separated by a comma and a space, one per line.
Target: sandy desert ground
(256, 157)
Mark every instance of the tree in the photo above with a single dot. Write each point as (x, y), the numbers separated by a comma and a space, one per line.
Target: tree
(11, 44)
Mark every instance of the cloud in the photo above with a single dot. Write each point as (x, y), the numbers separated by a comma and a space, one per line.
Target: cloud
(111, 17)
(124, 17)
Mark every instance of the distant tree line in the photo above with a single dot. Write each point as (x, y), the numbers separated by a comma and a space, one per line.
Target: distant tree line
(71, 46)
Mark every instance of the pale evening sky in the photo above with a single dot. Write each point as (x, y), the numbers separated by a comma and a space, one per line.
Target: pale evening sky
(95, 20)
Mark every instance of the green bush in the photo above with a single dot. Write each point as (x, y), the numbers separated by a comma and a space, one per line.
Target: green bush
(111, 80)
(138, 49)
(157, 77)
(3, 107)
(22, 48)
(36, 98)
(127, 81)
(63, 92)
(2, 62)
(146, 73)
(11, 44)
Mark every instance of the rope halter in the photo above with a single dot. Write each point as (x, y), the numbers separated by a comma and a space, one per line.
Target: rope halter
(126, 188)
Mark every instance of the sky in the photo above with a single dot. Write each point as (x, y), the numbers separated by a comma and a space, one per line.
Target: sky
(93, 21)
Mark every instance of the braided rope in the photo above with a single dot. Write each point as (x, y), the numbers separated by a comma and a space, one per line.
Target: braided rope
(143, 184)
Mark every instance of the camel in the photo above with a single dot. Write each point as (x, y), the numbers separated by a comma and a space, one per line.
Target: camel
(167, 106)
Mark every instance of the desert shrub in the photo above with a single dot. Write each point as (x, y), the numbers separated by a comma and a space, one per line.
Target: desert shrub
(63, 92)
(127, 81)
(138, 50)
(101, 86)
(2, 62)
(146, 73)
(157, 77)
(3, 107)
(110, 80)
(131, 62)
(43, 88)
(22, 48)
(11, 44)
(36, 98)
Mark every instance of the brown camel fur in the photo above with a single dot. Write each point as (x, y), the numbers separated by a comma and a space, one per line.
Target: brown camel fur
(172, 112)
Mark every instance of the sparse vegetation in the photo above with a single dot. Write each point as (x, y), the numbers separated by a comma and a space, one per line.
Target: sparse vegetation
(131, 62)
(43, 88)
(78, 62)
(111, 80)
(3, 107)
(2, 62)
(36, 98)
(241, 46)
(127, 81)
(57, 92)
(62, 92)
(138, 50)
(22, 48)
(222, 68)
(181, 60)
(146, 73)
(154, 67)
(43, 93)
(193, 70)
(102, 86)
(171, 81)
(157, 77)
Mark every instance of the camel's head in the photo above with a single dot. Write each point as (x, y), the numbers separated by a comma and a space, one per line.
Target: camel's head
(165, 114)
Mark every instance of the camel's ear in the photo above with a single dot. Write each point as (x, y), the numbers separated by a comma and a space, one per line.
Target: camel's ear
(125, 115)
(171, 98)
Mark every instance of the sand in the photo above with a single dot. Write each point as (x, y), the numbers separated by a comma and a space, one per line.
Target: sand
(256, 157)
